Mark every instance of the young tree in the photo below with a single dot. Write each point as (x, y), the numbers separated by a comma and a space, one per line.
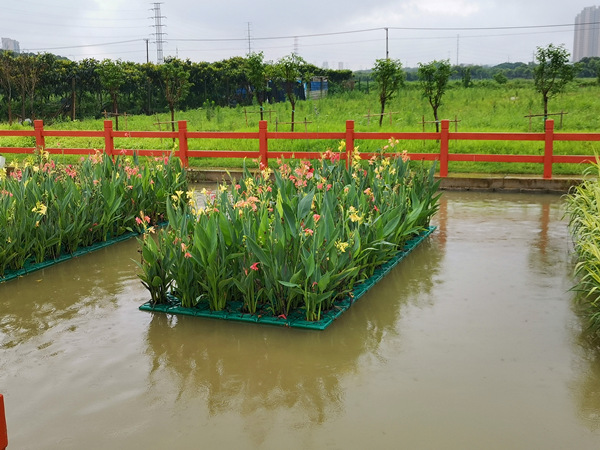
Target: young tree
(500, 77)
(256, 74)
(390, 78)
(175, 81)
(112, 77)
(552, 72)
(465, 77)
(433, 78)
(291, 70)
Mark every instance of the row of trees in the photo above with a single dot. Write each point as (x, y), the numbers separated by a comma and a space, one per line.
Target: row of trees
(551, 73)
(46, 86)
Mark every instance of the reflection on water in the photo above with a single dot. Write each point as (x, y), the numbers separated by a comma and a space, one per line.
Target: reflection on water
(470, 342)
(250, 368)
(587, 385)
(50, 297)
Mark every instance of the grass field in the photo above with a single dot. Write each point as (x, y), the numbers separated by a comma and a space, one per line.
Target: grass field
(484, 107)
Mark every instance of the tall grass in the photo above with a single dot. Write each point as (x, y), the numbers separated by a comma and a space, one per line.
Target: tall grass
(487, 106)
(583, 210)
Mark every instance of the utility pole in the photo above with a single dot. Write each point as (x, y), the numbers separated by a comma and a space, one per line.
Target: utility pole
(158, 32)
(147, 51)
(387, 48)
(249, 41)
(457, 44)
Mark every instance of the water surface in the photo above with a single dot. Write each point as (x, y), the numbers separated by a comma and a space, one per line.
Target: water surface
(470, 342)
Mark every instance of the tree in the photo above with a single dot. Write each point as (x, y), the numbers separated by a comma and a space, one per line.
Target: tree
(433, 78)
(552, 72)
(175, 81)
(29, 69)
(465, 77)
(500, 77)
(291, 70)
(390, 78)
(112, 77)
(7, 79)
(256, 74)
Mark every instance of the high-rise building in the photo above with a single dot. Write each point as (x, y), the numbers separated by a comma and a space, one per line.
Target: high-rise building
(10, 44)
(587, 33)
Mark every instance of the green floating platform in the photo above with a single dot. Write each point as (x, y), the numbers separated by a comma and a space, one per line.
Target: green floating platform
(296, 318)
(32, 267)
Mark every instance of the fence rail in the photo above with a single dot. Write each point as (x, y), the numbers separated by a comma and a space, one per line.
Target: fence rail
(263, 137)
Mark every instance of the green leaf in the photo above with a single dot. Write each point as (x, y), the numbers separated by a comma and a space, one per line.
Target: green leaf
(254, 248)
(305, 204)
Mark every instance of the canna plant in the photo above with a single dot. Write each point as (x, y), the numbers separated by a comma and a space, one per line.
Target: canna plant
(297, 238)
(49, 210)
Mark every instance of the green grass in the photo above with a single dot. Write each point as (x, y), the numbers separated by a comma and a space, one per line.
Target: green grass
(485, 107)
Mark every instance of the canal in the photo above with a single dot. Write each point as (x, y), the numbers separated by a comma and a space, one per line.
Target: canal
(471, 342)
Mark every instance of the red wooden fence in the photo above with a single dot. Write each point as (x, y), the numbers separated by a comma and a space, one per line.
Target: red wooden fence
(3, 432)
(263, 136)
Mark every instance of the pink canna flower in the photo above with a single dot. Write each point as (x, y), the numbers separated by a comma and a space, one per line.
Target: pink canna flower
(254, 266)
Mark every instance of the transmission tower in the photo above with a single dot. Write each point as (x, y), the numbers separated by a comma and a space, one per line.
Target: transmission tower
(158, 32)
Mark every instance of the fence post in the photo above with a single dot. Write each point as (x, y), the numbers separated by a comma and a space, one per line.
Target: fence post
(548, 147)
(3, 430)
(40, 141)
(444, 138)
(183, 142)
(263, 145)
(349, 142)
(109, 141)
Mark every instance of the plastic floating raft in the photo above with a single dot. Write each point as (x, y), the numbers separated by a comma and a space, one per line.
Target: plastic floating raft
(32, 267)
(296, 318)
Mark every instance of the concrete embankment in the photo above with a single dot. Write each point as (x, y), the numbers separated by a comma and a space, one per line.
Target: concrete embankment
(463, 182)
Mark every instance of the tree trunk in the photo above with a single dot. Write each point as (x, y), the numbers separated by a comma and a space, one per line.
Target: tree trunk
(9, 105)
(115, 111)
(23, 100)
(437, 122)
(293, 103)
(172, 108)
(73, 99)
(382, 111)
(545, 107)
(10, 119)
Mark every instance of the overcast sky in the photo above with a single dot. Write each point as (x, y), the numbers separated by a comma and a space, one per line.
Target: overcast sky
(349, 32)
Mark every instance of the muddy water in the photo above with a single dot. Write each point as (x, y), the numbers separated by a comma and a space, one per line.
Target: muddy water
(470, 342)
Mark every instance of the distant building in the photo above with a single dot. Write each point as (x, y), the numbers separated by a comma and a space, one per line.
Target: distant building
(587, 33)
(10, 44)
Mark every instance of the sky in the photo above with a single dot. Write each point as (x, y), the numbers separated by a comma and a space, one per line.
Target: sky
(336, 34)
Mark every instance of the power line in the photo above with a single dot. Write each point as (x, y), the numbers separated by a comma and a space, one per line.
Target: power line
(334, 33)
(85, 45)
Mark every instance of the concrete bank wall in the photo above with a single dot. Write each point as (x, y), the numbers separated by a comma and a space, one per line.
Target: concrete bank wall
(473, 182)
